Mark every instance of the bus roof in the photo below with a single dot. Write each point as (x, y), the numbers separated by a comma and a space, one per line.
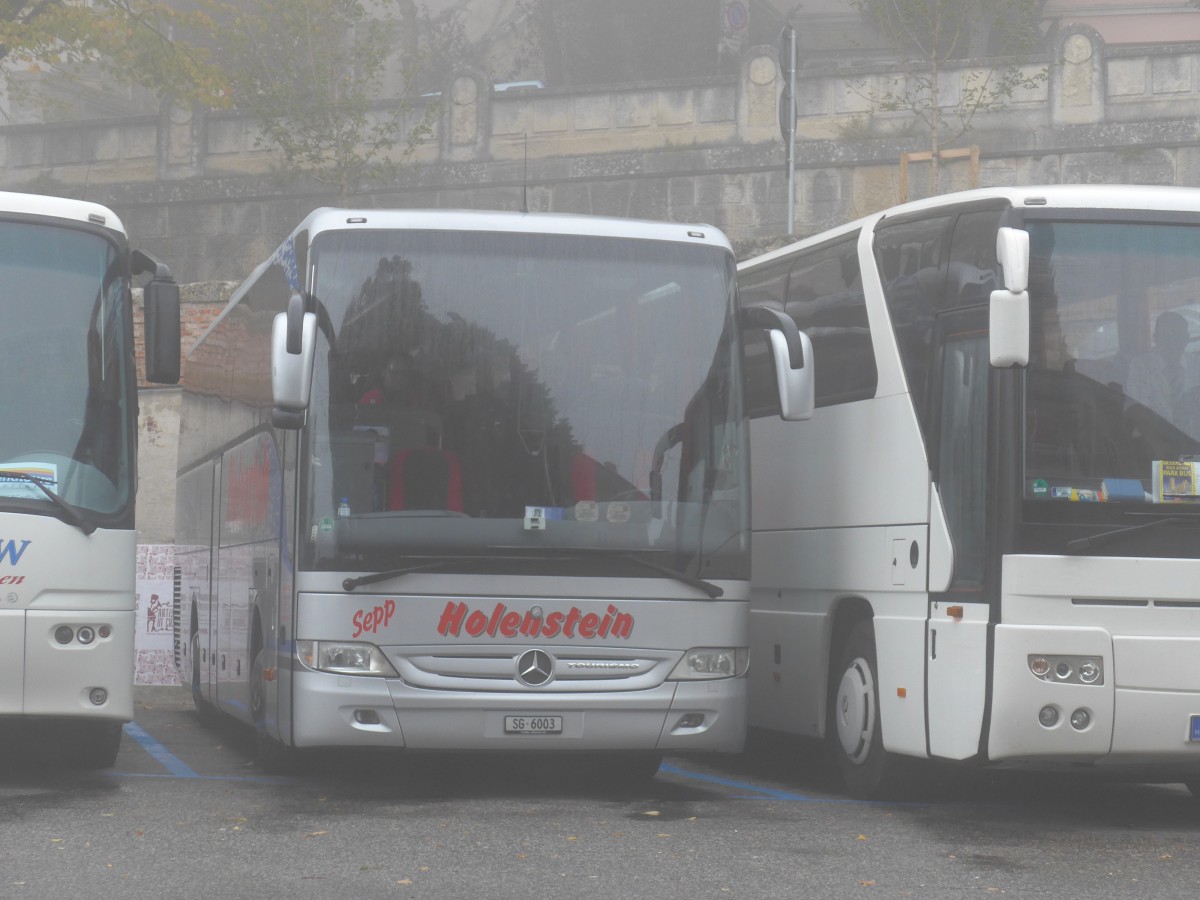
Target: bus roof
(1052, 196)
(330, 219)
(60, 208)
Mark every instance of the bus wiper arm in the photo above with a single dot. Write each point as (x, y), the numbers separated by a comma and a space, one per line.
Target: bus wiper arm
(70, 514)
(1085, 543)
(350, 584)
(713, 591)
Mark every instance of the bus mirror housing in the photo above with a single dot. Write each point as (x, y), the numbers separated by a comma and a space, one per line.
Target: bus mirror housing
(791, 350)
(160, 324)
(1008, 308)
(160, 318)
(293, 349)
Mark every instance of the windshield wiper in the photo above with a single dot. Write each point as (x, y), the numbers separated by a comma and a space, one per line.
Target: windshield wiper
(1086, 543)
(70, 514)
(683, 577)
(451, 562)
(444, 563)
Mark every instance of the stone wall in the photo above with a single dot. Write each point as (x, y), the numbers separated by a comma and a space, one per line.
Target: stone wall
(196, 189)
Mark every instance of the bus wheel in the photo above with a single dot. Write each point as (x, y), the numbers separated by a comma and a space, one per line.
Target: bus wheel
(854, 734)
(94, 745)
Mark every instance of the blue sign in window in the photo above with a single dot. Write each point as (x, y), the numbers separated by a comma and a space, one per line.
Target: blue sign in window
(1195, 734)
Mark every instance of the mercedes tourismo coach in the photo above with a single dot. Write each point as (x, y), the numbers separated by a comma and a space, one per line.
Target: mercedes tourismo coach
(473, 480)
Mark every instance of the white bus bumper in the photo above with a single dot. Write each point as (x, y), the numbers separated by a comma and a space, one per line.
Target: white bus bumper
(345, 711)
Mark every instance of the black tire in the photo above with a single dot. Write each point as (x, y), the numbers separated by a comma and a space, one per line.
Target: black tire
(853, 733)
(93, 745)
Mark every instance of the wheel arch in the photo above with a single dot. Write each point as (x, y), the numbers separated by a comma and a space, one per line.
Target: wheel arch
(847, 612)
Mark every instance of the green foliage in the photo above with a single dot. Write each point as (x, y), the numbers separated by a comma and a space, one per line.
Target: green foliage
(127, 39)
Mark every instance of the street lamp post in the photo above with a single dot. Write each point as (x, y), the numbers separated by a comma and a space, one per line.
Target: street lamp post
(787, 117)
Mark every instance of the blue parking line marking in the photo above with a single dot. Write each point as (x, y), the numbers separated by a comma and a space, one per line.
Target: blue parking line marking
(756, 792)
(161, 754)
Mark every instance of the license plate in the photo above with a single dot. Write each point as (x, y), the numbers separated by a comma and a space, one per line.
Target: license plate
(533, 724)
(1195, 734)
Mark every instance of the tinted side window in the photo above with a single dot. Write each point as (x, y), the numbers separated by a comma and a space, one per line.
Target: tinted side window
(825, 298)
(766, 286)
(913, 258)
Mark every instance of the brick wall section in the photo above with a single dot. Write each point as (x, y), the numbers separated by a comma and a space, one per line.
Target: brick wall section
(199, 305)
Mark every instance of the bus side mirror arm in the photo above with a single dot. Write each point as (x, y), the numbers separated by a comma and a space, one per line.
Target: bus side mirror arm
(791, 350)
(1008, 308)
(293, 350)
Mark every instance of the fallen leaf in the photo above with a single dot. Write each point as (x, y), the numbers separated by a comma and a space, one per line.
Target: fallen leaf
(652, 812)
(866, 884)
(316, 834)
(404, 881)
(861, 837)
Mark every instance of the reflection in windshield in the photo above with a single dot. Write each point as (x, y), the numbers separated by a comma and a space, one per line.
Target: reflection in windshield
(1113, 389)
(64, 367)
(524, 391)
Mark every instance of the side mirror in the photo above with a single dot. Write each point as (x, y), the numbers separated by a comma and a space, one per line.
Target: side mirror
(1012, 252)
(160, 328)
(1008, 309)
(791, 350)
(293, 349)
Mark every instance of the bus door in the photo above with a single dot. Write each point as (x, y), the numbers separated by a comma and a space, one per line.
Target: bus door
(957, 626)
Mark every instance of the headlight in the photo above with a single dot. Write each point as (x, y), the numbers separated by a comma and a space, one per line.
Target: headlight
(344, 658)
(1067, 669)
(711, 662)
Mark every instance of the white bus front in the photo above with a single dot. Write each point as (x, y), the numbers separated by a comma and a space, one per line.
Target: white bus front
(523, 508)
(67, 480)
(1099, 628)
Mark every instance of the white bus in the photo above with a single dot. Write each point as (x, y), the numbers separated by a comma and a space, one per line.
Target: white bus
(477, 481)
(984, 546)
(68, 469)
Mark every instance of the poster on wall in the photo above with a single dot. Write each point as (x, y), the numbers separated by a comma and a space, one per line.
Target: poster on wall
(154, 626)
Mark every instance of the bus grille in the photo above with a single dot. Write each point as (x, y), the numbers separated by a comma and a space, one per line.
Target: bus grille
(477, 670)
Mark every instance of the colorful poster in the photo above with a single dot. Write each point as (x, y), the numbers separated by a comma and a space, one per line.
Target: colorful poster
(154, 634)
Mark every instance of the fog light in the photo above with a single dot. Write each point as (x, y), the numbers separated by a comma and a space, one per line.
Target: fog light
(1039, 666)
(98, 696)
(1048, 716)
(366, 717)
(86, 634)
(63, 634)
(691, 720)
(1081, 719)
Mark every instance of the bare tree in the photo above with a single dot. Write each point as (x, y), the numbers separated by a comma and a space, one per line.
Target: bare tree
(991, 41)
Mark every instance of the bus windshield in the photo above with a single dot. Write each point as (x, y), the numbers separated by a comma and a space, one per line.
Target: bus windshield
(1113, 388)
(574, 399)
(65, 370)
